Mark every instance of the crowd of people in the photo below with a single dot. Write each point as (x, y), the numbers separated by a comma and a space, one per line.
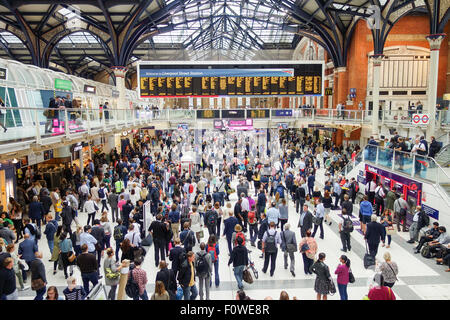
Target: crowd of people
(190, 209)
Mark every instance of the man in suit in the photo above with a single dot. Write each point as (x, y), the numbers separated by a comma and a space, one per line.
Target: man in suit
(174, 256)
(305, 222)
(288, 237)
(27, 249)
(374, 234)
(99, 234)
(159, 231)
(230, 223)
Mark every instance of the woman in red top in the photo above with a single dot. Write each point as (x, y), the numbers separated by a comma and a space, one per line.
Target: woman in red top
(381, 292)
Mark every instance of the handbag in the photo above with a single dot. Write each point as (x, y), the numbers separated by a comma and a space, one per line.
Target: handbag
(201, 234)
(290, 247)
(111, 275)
(180, 293)
(316, 220)
(247, 277)
(71, 257)
(390, 230)
(37, 284)
(351, 277)
(331, 287)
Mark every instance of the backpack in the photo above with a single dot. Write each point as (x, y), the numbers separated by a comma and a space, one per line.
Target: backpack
(191, 188)
(347, 225)
(239, 235)
(38, 232)
(425, 252)
(132, 288)
(201, 265)
(101, 193)
(118, 235)
(426, 219)
(271, 244)
(213, 253)
(251, 217)
(356, 187)
(212, 218)
(190, 239)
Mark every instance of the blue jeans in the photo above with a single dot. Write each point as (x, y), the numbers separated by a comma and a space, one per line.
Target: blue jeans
(238, 273)
(343, 291)
(40, 293)
(92, 277)
(51, 244)
(190, 293)
(143, 296)
(216, 273)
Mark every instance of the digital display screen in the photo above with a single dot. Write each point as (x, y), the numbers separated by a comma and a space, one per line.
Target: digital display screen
(238, 79)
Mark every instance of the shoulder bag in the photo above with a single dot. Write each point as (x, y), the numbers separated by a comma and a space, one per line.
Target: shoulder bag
(37, 284)
(290, 247)
(351, 277)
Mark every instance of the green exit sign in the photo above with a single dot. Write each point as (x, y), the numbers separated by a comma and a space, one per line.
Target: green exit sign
(61, 84)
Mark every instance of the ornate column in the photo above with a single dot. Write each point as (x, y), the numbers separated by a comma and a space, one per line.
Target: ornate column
(376, 60)
(119, 73)
(342, 89)
(435, 41)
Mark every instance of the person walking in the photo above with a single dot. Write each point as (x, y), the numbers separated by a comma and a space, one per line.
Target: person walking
(323, 277)
(18, 271)
(239, 258)
(230, 224)
(119, 235)
(168, 278)
(65, 246)
(174, 218)
(374, 234)
(213, 250)
(160, 292)
(211, 219)
(284, 213)
(308, 249)
(113, 200)
(401, 208)
(269, 247)
(345, 228)
(8, 289)
(289, 247)
(140, 277)
(112, 273)
(186, 277)
(319, 214)
(158, 231)
(88, 267)
(389, 270)
(343, 271)
(73, 291)
(365, 212)
(203, 268)
(253, 225)
(38, 278)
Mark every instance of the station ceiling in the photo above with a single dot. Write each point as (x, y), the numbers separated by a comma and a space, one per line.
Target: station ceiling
(84, 37)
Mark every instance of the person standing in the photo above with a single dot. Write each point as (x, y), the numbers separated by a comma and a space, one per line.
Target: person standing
(374, 234)
(113, 200)
(119, 235)
(88, 267)
(213, 250)
(111, 267)
(27, 249)
(305, 221)
(379, 199)
(38, 276)
(380, 291)
(239, 258)
(289, 246)
(174, 218)
(175, 254)
(73, 291)
(67, 215)
(203, 267)
(401, 208)
(420, 220)
(229, 223)
(365, 212)
(389, 270)
(50, 230)
(342, 272)
(323, 277)
(269, 248)
(345, 228)
(186, 277)
(140, 277)
(98, 233)
(273, 214)
(159, 230)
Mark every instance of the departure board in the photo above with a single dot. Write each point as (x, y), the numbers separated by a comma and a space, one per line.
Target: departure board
(213, 79)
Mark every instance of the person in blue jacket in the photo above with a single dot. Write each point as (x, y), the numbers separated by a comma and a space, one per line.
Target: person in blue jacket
(27, 249)
(365, 211)
(50, 230)
(36, 211)
(230, 223)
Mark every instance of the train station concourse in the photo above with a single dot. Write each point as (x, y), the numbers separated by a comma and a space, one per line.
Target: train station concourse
(224, 150)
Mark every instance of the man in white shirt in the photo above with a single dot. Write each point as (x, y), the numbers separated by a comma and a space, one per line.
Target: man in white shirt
(370, 187)
(419, 149)
(133, 236)
(88, 239)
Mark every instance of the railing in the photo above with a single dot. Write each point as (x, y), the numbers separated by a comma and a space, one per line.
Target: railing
(31, 123)
(412, 164)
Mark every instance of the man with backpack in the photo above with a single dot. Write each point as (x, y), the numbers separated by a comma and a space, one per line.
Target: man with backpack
(102, 195)
(289, 246)
(203, 268)
(119, 235)
(269, 247)
(253, 223)
(211, 218)
(345, 228)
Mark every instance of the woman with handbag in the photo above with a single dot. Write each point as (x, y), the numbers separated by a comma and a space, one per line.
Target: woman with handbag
(386, 221)
(67, 255)
(323, 278)
(389, 270)
(112, 273)
(343, 276)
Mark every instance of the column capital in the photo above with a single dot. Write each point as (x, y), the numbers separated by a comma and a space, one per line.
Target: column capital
(377, 59)
(435, 40)
(119, 71)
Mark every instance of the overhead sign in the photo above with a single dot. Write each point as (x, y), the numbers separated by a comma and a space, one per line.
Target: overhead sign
(183, 126)
(89, 89)
(246, 124)
(283, 125)
(61, 84)
(420, 119)
(283, 113)
(431, 211)
(3, 74)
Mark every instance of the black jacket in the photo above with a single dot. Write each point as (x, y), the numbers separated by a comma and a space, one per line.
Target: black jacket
(99, 234)
(348, 205)
(7, 281)
(159, 230)
(184, 276)
(174, 256)
(263, 228)
(67, 215)
(164, 275)
(321, 270)
(37, 270)
(307, 222)
(300, 193)
(239, 256)
(374, 233)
